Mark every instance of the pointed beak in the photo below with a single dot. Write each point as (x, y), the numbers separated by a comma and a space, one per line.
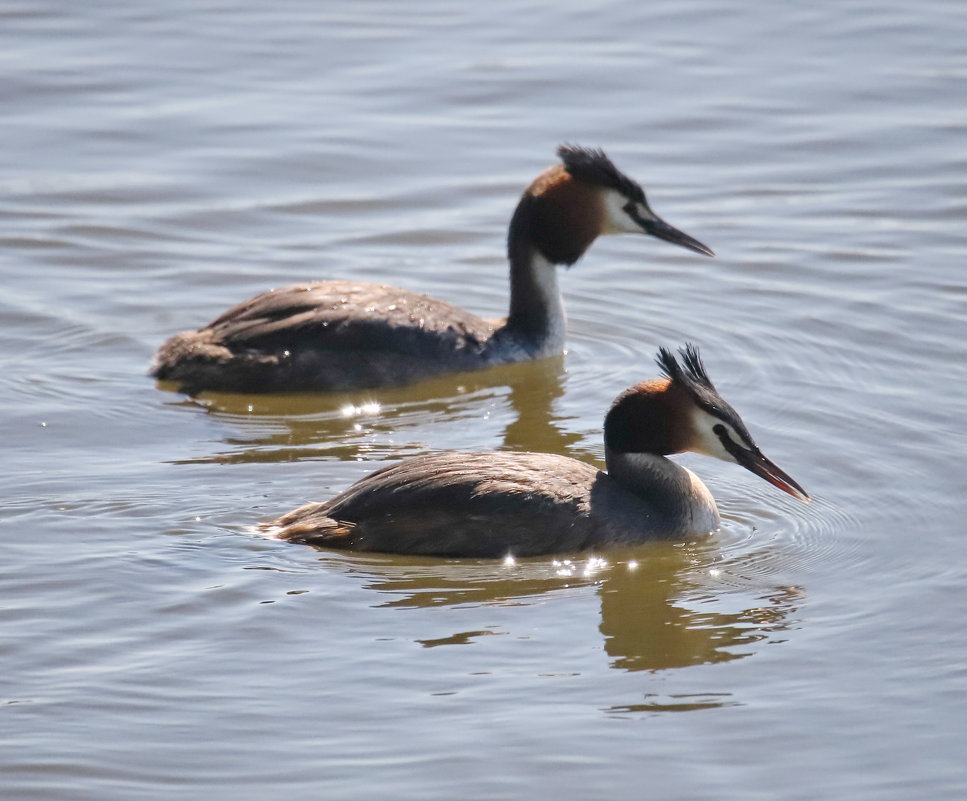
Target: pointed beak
(765, 468)
(657, 227)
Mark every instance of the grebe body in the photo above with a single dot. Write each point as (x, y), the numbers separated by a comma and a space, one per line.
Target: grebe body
(343, 335)
(494, 504)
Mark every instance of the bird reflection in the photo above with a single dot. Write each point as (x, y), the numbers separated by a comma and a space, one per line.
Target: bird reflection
(352, 426)
(663, 605)
(669, 613)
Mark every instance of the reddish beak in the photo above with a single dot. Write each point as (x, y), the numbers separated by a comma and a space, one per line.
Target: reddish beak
(765, 468)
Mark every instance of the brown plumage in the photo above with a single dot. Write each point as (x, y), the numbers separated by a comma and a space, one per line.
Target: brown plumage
(475, 504)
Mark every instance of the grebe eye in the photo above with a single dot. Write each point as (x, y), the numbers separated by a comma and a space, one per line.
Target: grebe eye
(730, 445)
(723, 434)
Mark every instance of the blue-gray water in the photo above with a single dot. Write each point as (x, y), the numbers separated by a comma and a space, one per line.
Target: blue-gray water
(161, 162)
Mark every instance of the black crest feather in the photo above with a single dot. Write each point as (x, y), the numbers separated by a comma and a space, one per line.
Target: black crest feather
(691, 372)
(594, 167)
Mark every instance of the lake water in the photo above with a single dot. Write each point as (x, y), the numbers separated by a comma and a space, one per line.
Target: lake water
(161, 162)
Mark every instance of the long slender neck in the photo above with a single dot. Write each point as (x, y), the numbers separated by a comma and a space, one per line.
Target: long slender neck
(676, 492)
(536, 316)
(556, 220)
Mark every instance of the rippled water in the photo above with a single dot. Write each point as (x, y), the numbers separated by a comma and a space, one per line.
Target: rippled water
(163, 162)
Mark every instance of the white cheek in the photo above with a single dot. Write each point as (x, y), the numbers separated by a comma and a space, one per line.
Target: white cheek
(616, 219)
(707, 441)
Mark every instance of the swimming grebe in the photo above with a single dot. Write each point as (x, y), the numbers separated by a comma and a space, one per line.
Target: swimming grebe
(343, 335)
(499, 503)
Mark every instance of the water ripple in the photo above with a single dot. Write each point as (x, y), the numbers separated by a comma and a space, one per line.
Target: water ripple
(762, 538)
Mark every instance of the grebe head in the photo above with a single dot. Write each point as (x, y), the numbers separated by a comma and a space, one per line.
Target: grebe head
(572, 203)
(684, 412)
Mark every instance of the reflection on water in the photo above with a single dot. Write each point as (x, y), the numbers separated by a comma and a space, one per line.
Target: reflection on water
(685, 702)
(670, 612)
(460, 638)
(662, 605)
(350, 426)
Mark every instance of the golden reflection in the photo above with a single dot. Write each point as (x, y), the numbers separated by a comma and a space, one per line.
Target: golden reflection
(663, 605)
(371, 424)
(424, 582)
(674, 610)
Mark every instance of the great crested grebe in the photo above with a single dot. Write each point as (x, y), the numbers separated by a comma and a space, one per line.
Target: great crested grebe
(497, 503)
(343, 335)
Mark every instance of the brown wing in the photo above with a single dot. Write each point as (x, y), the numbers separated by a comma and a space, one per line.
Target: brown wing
(458, 504)
(346, 315)
(332, 335)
